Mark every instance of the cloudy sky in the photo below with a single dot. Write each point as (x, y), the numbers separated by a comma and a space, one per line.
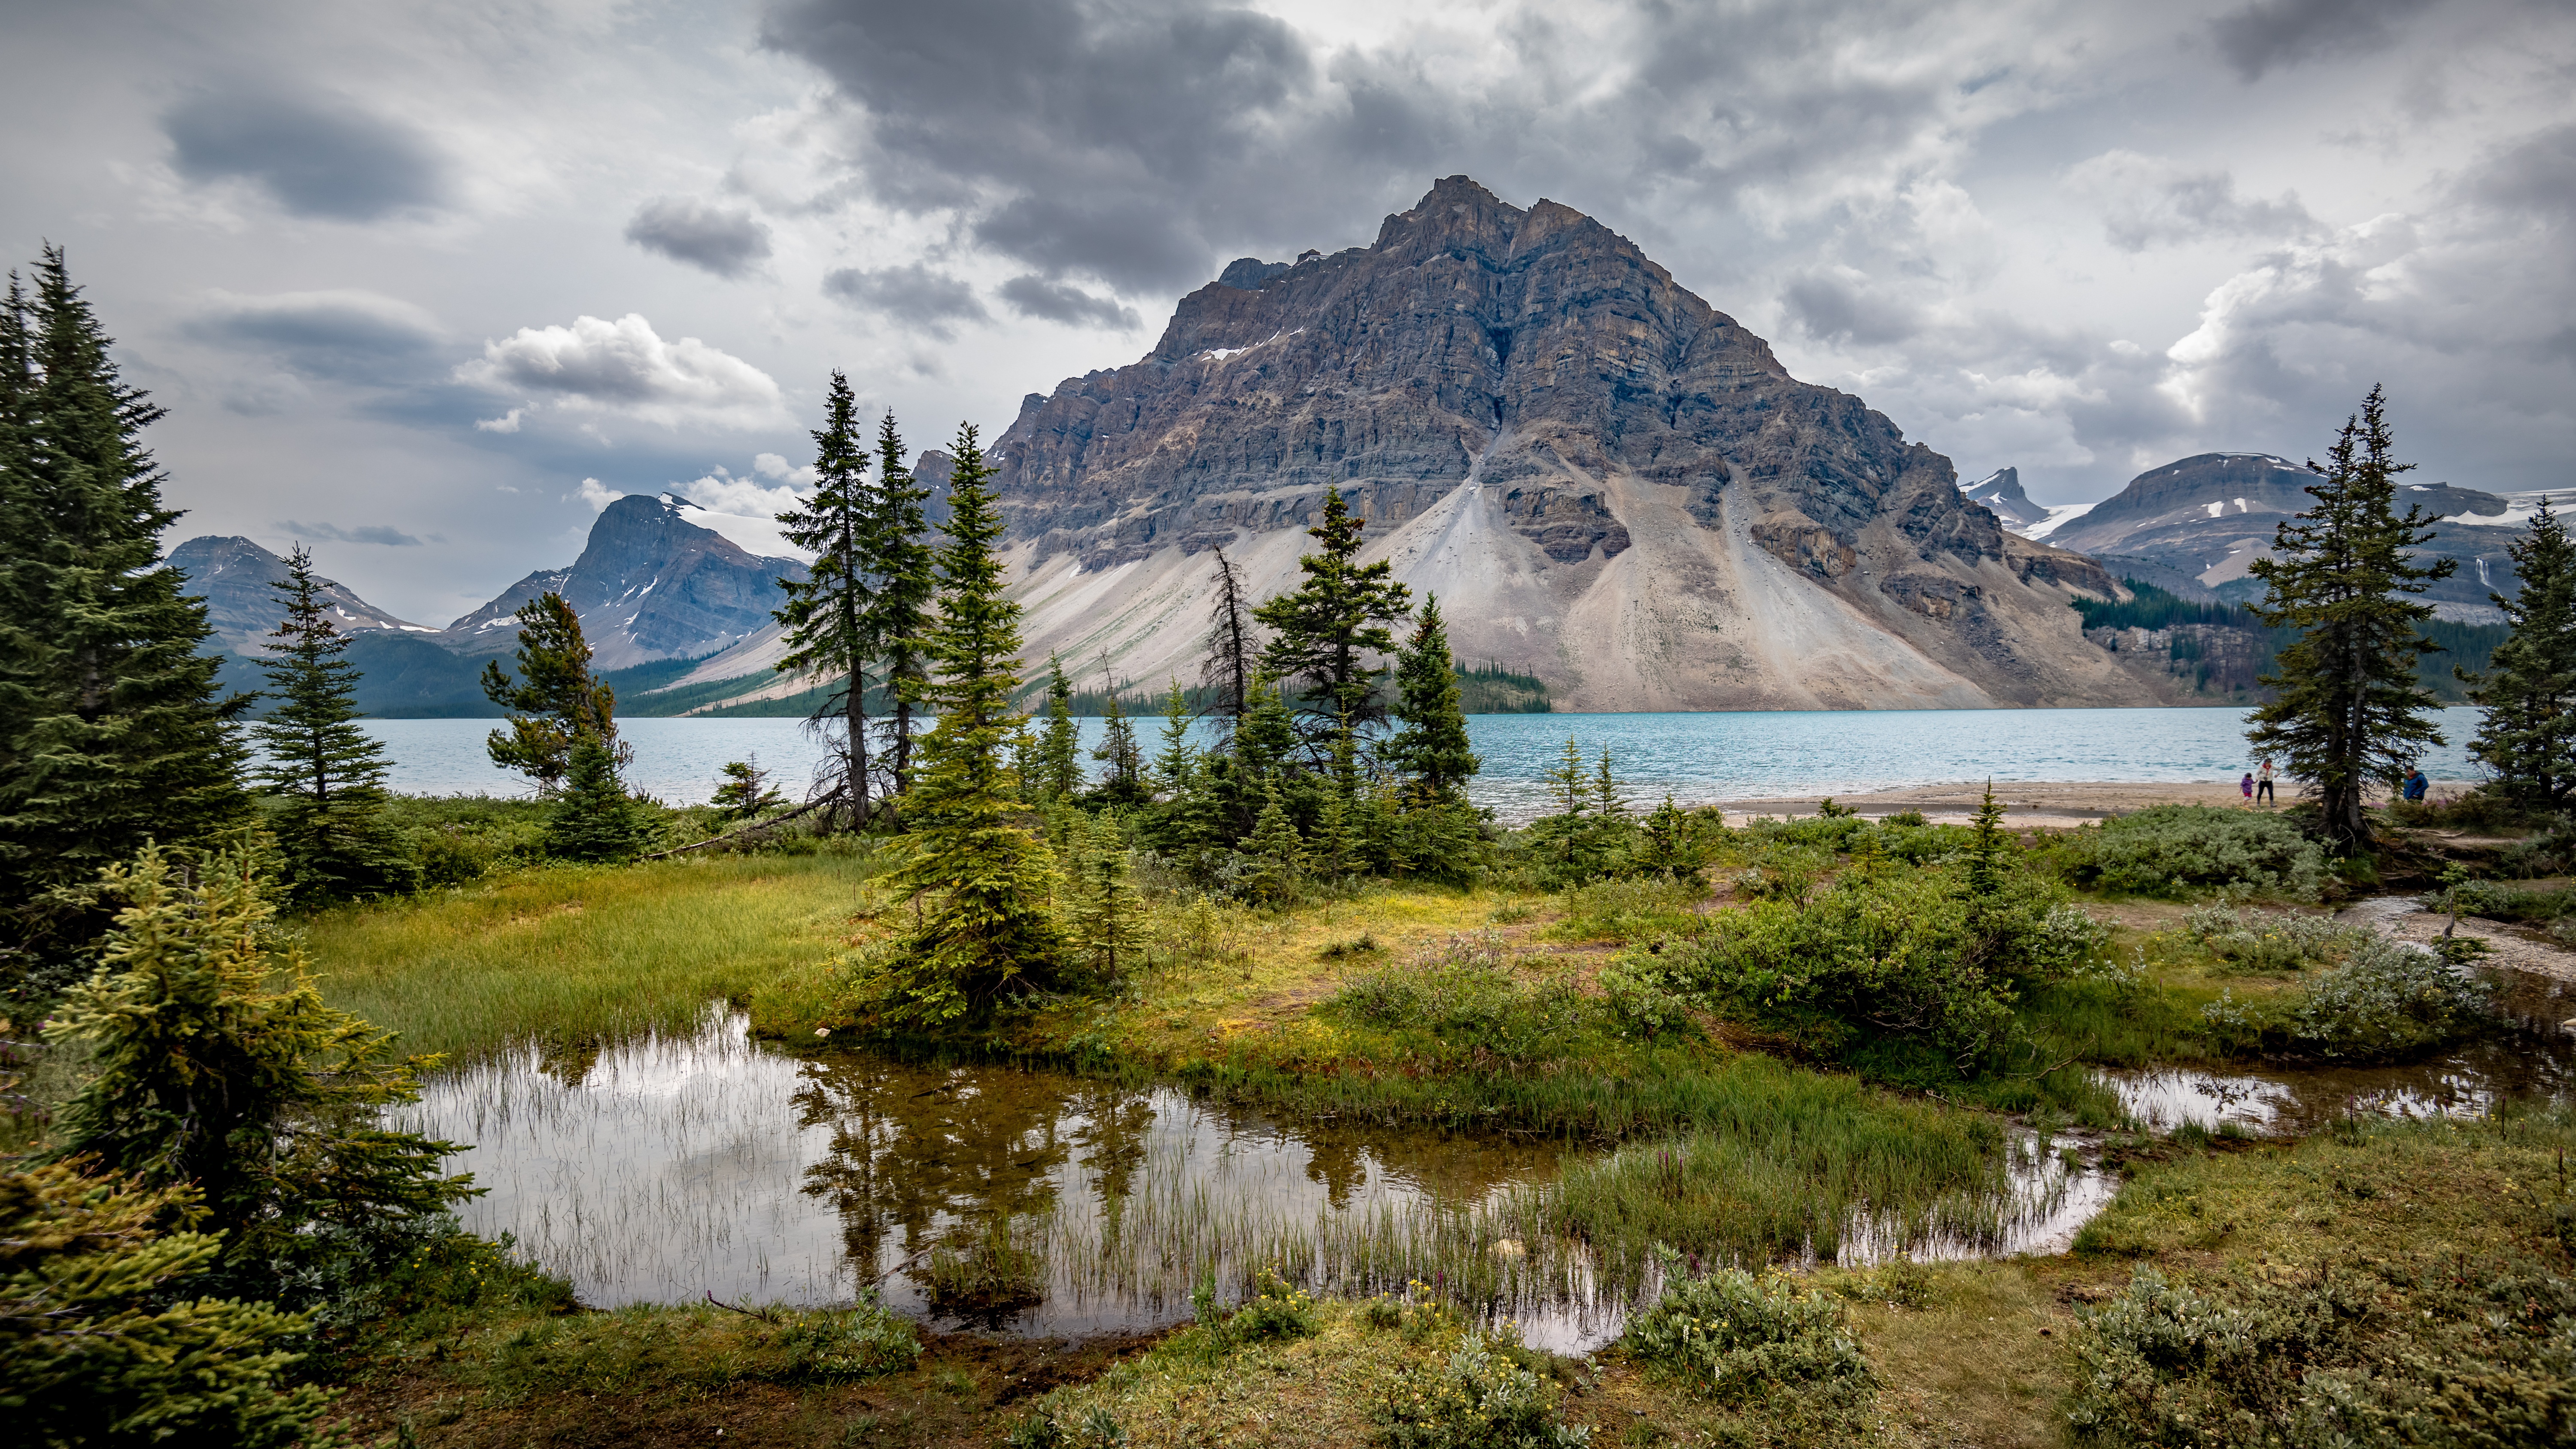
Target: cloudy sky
(425, 284)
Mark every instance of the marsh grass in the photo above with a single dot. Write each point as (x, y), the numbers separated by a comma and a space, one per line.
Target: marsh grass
(573, 954)
(996, 1266)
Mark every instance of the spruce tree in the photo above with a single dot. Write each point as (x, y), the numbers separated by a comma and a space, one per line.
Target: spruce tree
(985, 932)
(2349, 708)
(111, 729)
(329, 774)
(899, 548)
(215, 1065)
(1177, 765)
(1323, 632)
(746, 793)
(827, 614)
(1123, 783)
(1108, 914)
(1231, 647)
(1431, 751)
(1278, 855)
(1059, 750)
(2528, 736)
(556, 699)
(594, 819)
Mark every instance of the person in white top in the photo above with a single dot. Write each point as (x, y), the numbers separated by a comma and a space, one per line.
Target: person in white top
(2263, 782)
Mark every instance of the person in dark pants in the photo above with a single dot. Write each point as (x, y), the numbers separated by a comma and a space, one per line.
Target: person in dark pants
(2263, 782)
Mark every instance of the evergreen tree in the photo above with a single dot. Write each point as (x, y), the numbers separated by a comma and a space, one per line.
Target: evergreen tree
(1669, 844)
(1607, 802)
(1109, 914)
(1229, 670)
(2528, 736)
(1431, 751)
(556, 699)
(828, 613)
(328, 772)
(1986, 847)
(1278, 855)
(1323, 632)
(987, 932)
(111, 731)
(1177, 766)
(745, 793)
(899, 546)
(215, 1065)
(1123, 783)
(594, 819)
(105, 1341)
(1570, 783)
(2349, 707)
(1059, 749)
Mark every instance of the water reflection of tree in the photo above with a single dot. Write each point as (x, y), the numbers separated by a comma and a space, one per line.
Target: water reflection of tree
(908, 1146)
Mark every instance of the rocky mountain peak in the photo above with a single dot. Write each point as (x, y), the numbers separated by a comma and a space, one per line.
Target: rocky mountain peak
(232, 574)
(1537, 420)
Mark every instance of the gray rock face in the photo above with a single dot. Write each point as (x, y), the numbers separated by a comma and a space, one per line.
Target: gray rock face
(2000, 493)
(2210, 516)
(233, 575)
(649, 585)
(1609, 482)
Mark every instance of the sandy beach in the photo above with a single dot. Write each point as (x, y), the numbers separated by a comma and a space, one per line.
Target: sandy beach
(2026, 803)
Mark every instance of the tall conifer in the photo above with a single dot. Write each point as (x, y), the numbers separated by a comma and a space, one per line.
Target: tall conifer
(985, 931)
(329, 773)
(1231, 648)
(827, 614)
(1323, 632)
(1059, 750)
(1123, 783)
(2349, 708)
(2528, 736)
(899, 548)
(556, 699)
(111, 730)
(1432, 750)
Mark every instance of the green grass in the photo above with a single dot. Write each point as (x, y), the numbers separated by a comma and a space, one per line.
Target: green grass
(571, 954)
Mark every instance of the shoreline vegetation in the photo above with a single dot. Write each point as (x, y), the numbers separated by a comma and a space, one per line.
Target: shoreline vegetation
(1748, 1042)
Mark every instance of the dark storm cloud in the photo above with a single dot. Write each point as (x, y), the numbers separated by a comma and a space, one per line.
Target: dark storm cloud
(710, 238)
(1056, 302)
(339, 336)
(2274, 33)
(1840, 309)
(315, 156)
(372, 533)
(923, 296)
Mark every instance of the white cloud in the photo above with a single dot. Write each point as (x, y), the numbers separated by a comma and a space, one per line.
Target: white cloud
(744, 511)
(769, 465)
(506, 423)
(624, 368)
(597, 494)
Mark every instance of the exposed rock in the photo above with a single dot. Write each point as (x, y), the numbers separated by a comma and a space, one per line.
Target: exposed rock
(2208, 517)
(233, 576)
(1610, 484)
(2000, 491)
(648, 585)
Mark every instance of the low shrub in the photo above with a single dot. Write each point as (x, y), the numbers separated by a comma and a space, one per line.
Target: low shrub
(1631, 910)
(1480, 1398)
(2387, 1002)
(1732, 1335)
(2176, 850)
(2281, 941)
(1465, 998)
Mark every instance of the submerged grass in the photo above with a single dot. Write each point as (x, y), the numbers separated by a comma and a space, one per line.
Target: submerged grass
(572, 954)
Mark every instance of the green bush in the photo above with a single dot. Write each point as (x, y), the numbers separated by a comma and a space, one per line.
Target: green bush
(835, 1345)
(2283, 941)
(1731, 1335)
(1464, 997)
(1276, 1312)
(1631, 910)
(2176, 850)
(2387, 1002)
(1481, 1398)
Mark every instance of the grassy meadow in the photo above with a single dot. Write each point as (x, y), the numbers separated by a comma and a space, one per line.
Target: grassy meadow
(1517, 1011)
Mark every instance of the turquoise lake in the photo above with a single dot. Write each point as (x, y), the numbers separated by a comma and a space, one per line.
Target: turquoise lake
(1696, 757)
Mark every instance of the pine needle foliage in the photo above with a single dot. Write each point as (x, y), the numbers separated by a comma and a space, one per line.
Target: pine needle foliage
(1123, 781)
(1431, 751)
(594, 819)
(1323, 633)
(2349, 709)
(1231, 646)
(1176, 768)
(898, 544)
(1059, 751)
(985, 931)
(828, 614)
(1109, 911)
(1278, 853)
(111, 730)
(555, 699)
(329, 774)
(2528, 736)
(217, 1066)
(746, 793)
(105, 1343)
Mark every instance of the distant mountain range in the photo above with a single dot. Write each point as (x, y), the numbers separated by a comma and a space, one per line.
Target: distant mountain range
(2196, 525)
(1614, 489)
